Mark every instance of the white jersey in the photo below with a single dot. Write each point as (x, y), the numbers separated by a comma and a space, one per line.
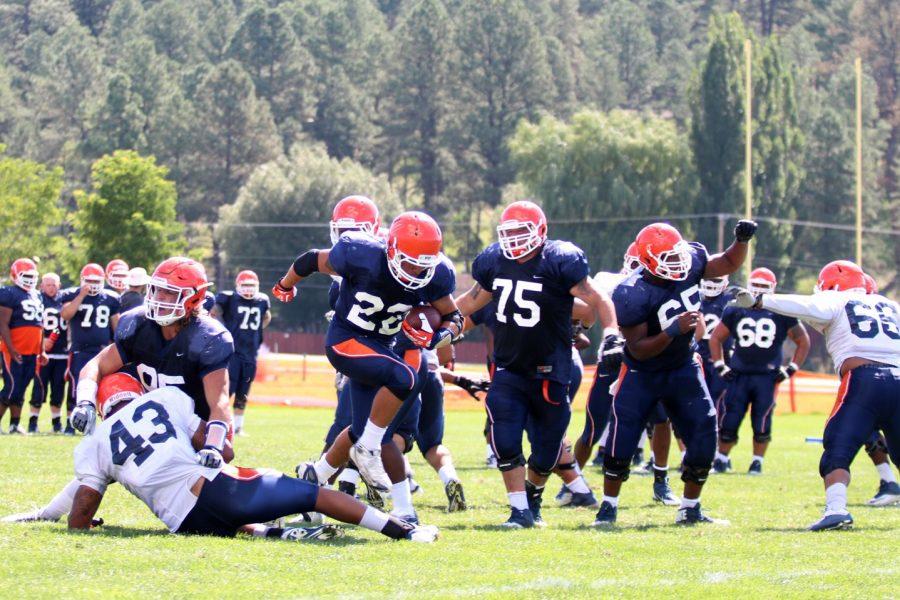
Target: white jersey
(854, 323)
(607, 282)
(146, 447)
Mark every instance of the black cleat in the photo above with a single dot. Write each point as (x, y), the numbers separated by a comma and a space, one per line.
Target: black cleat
(755, 468)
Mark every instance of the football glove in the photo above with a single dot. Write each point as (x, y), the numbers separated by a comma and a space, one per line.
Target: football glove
(427, 339)
(744, 230)
(786, 372)
(472, 386)
(723, 370)
(84, 417)
(282, 293)
(743, 298)
(612, 351)
(210, 458)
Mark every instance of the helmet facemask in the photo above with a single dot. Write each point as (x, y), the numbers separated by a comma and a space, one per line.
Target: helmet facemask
(424, 264)
(340, 226)
(519, 238)
(761, 286)
(27, 280)
(94, 284)
(713, 287)
(248, 289)
(673, 264)
(170, 308)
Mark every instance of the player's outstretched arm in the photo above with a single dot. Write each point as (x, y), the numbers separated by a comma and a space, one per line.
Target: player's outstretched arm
(85, 414)
(84, 507)
(477, 297)
(311, 261)
(600, 304)
(726, 263)
(818, 309)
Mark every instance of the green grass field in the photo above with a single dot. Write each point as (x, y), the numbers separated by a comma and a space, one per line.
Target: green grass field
(764, 553)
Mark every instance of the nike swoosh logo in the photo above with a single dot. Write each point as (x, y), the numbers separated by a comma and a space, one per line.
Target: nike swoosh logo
(179, 354)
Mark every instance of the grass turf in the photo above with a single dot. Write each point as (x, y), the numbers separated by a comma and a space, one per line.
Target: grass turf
(764, 552)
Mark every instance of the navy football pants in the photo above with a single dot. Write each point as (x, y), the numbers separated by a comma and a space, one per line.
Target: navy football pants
(430, 430)
(868, 399)
(51, 378)
(249, 496)
(241, 373)
(16, 377)
(753, 390)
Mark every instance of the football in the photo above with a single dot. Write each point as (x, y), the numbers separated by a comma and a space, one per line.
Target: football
(419, 315)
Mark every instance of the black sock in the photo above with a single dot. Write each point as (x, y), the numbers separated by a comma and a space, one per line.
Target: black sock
(274, 532)
(659, 474)
(56, 423)
(396, 529)
(32, 421)
(13, 422)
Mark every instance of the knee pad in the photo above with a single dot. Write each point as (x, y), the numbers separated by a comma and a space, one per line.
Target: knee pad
(729, 436)
(240, 401)
(36, 402)
(832, 461)
(616, 468)
(879, 445)
(541, 470)
(762, 438)
(509, 464)
(695, 474)
(567, 466)
(408, 441)
(400, 392)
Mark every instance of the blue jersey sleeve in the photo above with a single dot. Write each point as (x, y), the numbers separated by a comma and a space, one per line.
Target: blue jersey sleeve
(6, 297)
(730, 317)
(212, 349)
(631, 307)
(483, 267)
(126, 333)
(114, 303)
(443, 283)
(699, 258)
(333, 292)
(67, 295)
(354, 251)
(788, 322)
(222, 299)
(571, 263)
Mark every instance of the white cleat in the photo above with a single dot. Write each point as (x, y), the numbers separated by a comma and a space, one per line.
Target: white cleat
(26, 517)
(423, 534)
(370, 467)
(320, 534)
(310, 519)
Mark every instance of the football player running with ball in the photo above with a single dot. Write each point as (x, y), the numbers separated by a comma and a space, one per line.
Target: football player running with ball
(658, 311)
(245, 313)
(862, 334)
(380, 283)
(755, 369)
(533, 282)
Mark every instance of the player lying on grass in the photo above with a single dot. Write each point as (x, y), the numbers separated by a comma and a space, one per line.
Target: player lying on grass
(149, 442)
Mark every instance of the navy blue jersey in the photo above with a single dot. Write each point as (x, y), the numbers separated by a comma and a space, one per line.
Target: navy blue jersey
(638, 299)
(533, 329)
(129, 300)
(26, 321)
(334, 290)
(486, 315)
(52, 322)
(758, 336)
(201, 347)
(243, 318)
(712, 309)
(91, 327)
(370, 301)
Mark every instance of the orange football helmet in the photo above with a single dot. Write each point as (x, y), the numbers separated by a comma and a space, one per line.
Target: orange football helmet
(631, 262)
(871, 284)
(176, 289)
(522, 229)
(247, 284)
(24, 273)
(116, 388)
(841, 276)
(413, 249)
(354, 213)
(92, 276)
(762, 281)
(663, 252)
(117, 274)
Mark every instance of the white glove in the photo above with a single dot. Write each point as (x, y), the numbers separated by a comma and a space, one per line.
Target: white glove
(84, 418)
(210, 458)
(743, 297)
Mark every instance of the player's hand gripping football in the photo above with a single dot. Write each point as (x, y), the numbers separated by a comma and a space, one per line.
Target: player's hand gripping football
(425, 338)
(282, 293)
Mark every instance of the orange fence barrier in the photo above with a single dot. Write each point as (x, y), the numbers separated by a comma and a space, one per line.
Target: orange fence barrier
(308, 380)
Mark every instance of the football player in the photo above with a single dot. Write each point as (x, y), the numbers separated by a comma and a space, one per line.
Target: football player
(21, 331)
(658, 310)
(712, 304)
(169, 343)
(149, 444)
(137, 289)
(117, 275)
(51, 376)
(534, 282)
(245, 313)
(92, 314)
(755, 369)
(380, 283)
(862, 334)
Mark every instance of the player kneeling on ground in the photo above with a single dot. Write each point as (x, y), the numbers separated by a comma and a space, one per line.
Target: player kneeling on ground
(149, 444)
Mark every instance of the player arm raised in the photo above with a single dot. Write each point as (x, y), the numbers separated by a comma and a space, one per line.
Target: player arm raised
(68, 310)
(726, 263)
(84, 507)
(5, 335)
(311, 261)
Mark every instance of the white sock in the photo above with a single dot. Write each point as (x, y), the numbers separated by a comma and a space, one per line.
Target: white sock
(689, 503)
(35, 412)
(643, 440)
(579, 486)
(614, 500)
(447, 473)
(886, 472)
(490, 452)
(836, 499)
(324, 470)
(62, 502)
(373, 519)
(55, 412)
(407, 467)
(238, 422)
(518, 500)
(260, 530)
(719, 455)
(371, 436)
(402, 498)
(349, 475)
(757, 457)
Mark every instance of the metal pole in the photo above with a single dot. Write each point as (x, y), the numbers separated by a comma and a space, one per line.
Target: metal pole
(748, 145)
(720, 233)
(858, 161)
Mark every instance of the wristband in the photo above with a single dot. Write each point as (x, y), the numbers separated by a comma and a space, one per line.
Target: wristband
(86, 391)
(215, 435)
(607, 331)
(793, 367)
(719, 363)
(673, 330)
